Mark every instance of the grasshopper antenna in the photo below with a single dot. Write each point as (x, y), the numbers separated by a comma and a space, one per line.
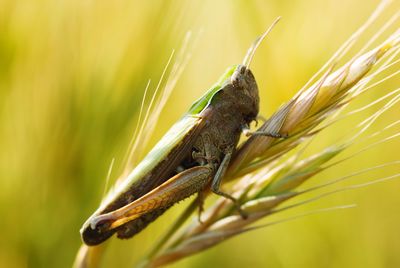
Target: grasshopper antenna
(252, 50)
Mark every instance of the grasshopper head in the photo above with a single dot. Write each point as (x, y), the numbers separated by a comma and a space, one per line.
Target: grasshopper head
(246, 90)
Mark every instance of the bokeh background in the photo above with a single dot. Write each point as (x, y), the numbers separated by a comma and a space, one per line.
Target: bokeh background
(72, 75)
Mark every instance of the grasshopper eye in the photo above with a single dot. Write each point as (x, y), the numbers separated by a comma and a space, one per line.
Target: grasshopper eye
(235, 79)
(238, 76)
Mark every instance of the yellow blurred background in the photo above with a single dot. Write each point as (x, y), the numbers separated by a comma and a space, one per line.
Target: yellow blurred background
(72, 75)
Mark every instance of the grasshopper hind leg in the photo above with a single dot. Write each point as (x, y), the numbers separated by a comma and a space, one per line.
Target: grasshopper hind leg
(152, 205)
(133, 227)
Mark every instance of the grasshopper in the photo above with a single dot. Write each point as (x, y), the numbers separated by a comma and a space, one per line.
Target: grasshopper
(191, 158)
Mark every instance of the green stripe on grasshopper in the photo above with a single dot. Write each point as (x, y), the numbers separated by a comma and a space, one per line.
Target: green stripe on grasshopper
(202, 103)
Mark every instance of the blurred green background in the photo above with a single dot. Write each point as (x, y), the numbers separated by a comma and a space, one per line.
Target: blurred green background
(72, 75)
